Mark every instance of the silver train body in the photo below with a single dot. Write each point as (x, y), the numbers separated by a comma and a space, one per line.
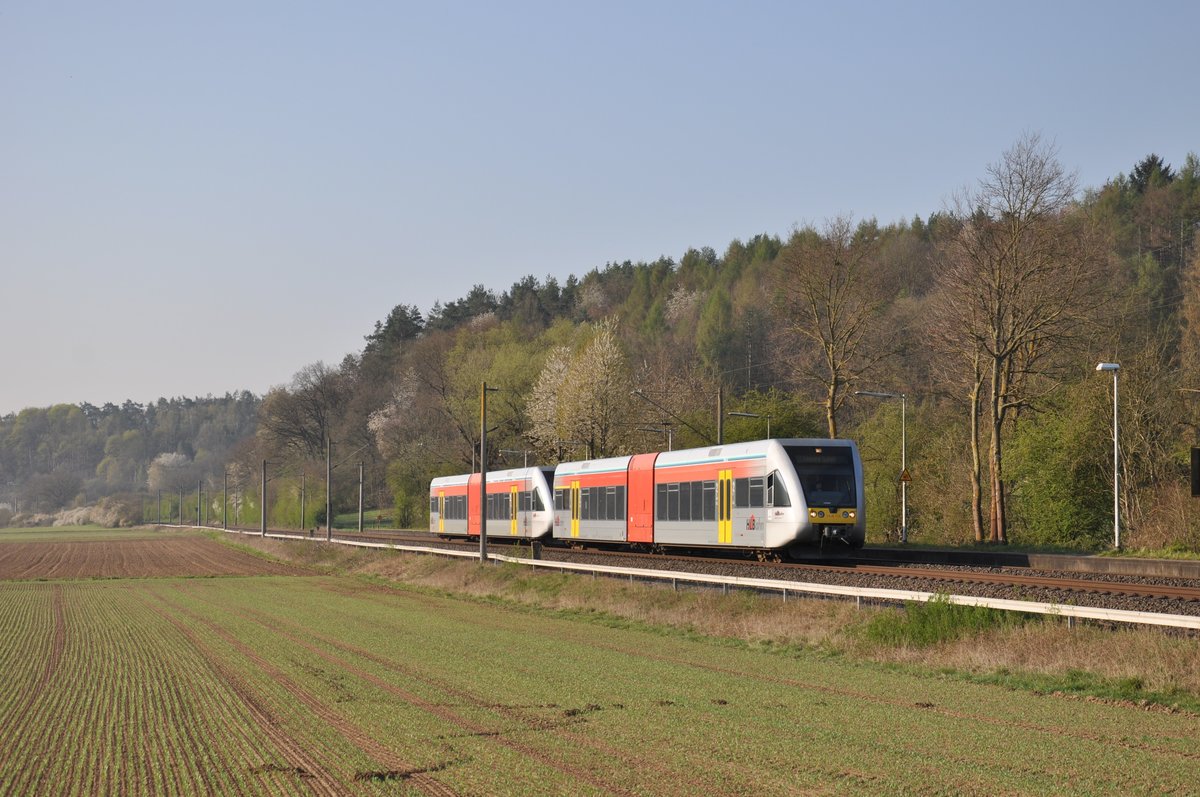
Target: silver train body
(763, 495)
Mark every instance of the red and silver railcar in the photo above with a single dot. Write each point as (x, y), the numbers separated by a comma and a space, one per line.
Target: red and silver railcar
(518, 504)
(767, 494)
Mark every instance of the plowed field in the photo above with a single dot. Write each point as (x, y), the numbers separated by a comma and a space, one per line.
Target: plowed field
(132, 558)
(335, 685)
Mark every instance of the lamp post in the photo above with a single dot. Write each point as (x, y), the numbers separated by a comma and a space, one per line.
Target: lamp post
(753, 415)
(903, 454)
(1114, 367)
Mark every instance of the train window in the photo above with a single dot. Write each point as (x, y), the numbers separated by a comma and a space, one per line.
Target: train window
(710, 500)
(660, 502)
(697, 501)
(620, 504)
(776, 493)
(536, 501)
(585, 506)
(741, 493)
(826, 474)
(433, 505)
(672, 502)
(499, 506)
(756, 491)
(685, 501)
(560, 499)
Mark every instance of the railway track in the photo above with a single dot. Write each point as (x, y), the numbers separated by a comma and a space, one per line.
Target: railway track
(1139, 593)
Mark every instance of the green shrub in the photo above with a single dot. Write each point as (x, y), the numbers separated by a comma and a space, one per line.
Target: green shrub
(936, 621)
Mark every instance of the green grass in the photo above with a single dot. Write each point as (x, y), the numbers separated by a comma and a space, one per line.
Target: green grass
(233, 685)
(924, 624)
(446, 683)
(1177, 552)
(72, 533)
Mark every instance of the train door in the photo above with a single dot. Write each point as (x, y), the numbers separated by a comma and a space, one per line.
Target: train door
(441, 511)
(512, 510)
(725, 506)
(576, 501)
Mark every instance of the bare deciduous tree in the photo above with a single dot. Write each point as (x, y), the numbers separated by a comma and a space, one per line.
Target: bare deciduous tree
(299, 418)
(1019, 282)
(830, 296)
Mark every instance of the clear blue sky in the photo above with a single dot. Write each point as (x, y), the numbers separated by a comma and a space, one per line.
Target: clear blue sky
(204, 197)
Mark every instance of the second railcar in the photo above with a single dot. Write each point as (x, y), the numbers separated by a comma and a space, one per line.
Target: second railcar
(518, 504)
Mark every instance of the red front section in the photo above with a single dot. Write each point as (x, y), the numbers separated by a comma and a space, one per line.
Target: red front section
(641, 498)
(474, 507)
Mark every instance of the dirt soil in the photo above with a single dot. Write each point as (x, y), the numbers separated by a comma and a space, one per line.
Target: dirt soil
(143, 558)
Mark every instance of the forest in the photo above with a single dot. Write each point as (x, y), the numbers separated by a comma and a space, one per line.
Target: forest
(988, 316)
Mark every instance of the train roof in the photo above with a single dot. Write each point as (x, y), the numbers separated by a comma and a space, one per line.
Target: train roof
(509, 474)
(695, 456)
(607, 465)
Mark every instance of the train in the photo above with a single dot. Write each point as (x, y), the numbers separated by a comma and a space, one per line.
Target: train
(778, 496)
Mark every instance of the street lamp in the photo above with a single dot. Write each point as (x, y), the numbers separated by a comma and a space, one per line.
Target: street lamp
(1114, 367)
(903, 454)
(753, 415)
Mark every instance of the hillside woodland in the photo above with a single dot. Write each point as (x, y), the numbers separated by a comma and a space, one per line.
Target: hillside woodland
(989, 316)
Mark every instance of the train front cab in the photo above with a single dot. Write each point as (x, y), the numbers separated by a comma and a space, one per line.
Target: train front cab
(767, 494)
(829, 474)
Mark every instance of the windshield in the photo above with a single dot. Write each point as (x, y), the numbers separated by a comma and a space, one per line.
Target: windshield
(826, 474)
